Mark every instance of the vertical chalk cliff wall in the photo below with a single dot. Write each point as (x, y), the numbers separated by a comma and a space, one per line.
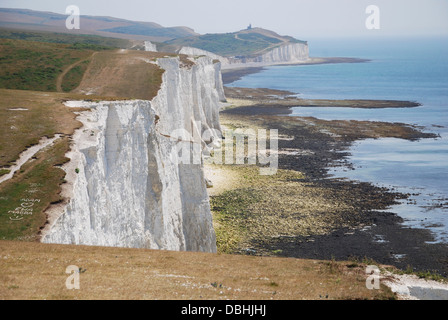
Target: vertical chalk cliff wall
(285, 54)
(126, 184)
(290, 53)
(149, 46)
(199, 52)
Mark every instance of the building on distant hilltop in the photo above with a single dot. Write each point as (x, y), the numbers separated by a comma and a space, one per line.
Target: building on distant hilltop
(249, 27)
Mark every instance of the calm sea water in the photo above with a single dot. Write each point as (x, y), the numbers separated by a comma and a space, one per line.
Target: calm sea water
(400, 69)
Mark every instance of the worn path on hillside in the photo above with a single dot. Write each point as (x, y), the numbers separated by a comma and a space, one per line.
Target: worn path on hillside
(67, 70)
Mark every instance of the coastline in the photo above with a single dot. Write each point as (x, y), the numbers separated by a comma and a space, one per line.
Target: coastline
(284, 100)
(234, 72)
(356, 224)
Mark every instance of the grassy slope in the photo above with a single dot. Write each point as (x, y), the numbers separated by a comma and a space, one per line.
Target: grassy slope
(41, 177)
(148, 30)
(45, 116)
(73, 77)
(30, 65)
(37, 271)
(243, 43)
(85, 41)
(32, 60)
(92, 25)
(117, 73)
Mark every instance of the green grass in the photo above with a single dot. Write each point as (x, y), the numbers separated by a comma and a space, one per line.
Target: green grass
(89, 42)
(259, 38)
(222, 44)
(39, 180)
(73, 78)
(145, 30)
(29, 65)
(427, 275)
(45, 116)
(230, 44)
(119, 73)
(3, 172)
(41, 177)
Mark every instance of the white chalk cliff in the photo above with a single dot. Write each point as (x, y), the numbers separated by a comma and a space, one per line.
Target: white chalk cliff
(150, 47)
(199, 52)
(126, 185)
(295, 52)
(290, 53)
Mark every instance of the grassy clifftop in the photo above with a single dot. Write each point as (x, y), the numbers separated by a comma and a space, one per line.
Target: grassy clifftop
(30, 65)
(80, 41)
(104, 26)
(122, 73)
(37, 271)
(27, 116)
(242, 43)
(46, 61)
(53, 62)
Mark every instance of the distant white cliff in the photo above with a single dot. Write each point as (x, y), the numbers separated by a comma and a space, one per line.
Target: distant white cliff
(150, 47)
(127, 185)
(295, 52)
(290, 53)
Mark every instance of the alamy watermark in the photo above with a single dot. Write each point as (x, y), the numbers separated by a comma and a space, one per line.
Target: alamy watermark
(73, 281)
(373, 20)
(239, 146)
(73, 21)
(373, 279)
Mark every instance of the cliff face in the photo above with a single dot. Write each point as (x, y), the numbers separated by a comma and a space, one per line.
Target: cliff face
(285, 54)
(199, 52)
(127, 184)
(151, 47)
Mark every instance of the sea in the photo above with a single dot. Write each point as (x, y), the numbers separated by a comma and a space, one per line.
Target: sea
(410, 69)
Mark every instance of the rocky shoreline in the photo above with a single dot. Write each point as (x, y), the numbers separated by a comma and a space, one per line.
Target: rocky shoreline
(365, 229)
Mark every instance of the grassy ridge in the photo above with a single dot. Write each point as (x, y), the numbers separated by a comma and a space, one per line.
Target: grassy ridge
(37, 271)
(222, 44)
(78, 41)
(31, 60)
(243, 43)
(126, 74)
(147, 30)
(44, 115)
(27, 117)
(30, 65)
(39, 180)
(73, 78)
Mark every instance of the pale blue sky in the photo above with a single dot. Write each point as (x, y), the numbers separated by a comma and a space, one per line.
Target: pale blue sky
(300, 18)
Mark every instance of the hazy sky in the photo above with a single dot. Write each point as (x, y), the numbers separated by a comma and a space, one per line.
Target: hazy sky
(300, 18)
